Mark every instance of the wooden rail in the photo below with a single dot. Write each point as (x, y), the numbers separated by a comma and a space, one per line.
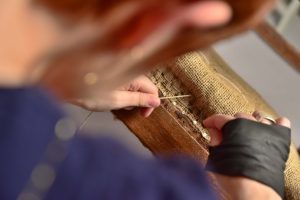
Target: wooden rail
(279, 44)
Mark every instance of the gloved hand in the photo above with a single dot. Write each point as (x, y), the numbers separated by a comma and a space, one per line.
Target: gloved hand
(245, 147)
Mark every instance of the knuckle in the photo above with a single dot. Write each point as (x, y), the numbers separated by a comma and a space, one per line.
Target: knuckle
(140, 100)
(115, 101)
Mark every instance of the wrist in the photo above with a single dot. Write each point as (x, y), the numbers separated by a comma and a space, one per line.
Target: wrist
(241, 188)
(253, 150)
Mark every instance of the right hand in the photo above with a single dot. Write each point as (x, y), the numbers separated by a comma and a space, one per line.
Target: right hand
(215, 123)
(240, 187)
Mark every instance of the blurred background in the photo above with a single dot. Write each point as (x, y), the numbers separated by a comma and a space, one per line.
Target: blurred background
(253, 60)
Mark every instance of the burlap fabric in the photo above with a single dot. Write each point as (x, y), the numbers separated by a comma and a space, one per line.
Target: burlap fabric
(215, 88)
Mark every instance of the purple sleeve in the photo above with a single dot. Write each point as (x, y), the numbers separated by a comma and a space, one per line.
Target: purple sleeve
(94, 169)
(104, 169)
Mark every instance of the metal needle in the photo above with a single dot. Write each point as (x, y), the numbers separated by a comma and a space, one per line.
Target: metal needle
(175, 97)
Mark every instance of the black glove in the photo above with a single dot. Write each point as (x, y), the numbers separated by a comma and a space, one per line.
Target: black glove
(254, 150)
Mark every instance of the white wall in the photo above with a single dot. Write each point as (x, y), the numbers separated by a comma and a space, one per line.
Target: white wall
(264, 70)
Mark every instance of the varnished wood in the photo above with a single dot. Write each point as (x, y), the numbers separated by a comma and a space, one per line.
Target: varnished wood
(163, 134)
(279, 44)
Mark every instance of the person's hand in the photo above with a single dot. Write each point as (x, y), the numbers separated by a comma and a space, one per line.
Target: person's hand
(51, 41)
(140, 92)
(215, 123)
(239, 187)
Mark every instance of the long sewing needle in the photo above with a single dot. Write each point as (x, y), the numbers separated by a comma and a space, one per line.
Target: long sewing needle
(91, 112)
(175, 97)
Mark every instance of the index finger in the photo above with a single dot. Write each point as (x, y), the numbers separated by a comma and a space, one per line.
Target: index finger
(145, 85)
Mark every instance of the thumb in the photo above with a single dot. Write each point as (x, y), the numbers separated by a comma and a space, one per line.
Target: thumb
(215, 137)
(138, 99)
(205, 14)
(214, 125)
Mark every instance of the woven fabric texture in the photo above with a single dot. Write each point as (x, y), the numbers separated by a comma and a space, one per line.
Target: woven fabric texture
(215, 88)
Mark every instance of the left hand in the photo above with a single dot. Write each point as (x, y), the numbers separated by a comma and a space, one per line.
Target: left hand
(140, 92)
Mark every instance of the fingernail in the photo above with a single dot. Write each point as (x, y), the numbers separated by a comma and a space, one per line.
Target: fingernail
(154, 102)
(200, 14)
